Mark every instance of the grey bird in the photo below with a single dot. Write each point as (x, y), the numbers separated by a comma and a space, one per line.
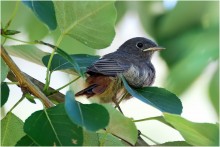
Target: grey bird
(132, 60)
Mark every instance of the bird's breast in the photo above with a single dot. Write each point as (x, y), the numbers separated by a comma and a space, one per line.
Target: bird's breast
(140, 76)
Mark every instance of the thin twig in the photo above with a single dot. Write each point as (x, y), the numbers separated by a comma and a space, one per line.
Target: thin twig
(25, 83)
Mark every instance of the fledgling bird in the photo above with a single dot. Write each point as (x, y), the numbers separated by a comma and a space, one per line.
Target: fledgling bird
(132, 60)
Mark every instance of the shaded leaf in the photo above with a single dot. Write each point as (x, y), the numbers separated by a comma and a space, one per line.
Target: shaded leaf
(11, 130)
(4, 93)
(3, 70)
(159, 98)
(44, 10)
(91, 116)
(26, 141)
(214, 91)
(175, 143)
(70, 60)
(59, 63)
(92, 23)
(53, 127)
(27, 52)
(107, 139)
(198, 134)
(121, 126)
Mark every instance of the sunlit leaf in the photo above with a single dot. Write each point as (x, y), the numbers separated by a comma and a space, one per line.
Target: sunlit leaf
(44, 10)
(175, 143)
(107, 139)
(52, 127)
(11, 130)
(91, 116)
(90, 138)
(27, 52)
(4, 93)
(159, 98)
(121, 126)
(198, 134)
(4, 70)
(92, 23)
(214, 91)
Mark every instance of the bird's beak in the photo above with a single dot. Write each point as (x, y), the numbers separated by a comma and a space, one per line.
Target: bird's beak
(157, 48)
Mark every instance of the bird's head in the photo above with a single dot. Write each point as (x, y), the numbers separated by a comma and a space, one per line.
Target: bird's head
(140, 46)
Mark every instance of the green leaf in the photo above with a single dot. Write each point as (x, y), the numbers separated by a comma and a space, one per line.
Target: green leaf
(4, 93)
(3, 70)
(92, 23)
(11, 130)
(59, 63)
(175, 143)
(27, 52)
(121, 126)
(198, 134)
(26, 141)
(91, 116)
(159, 98)
(107, 139)
(44, 10)
(52, 127)
(214, 91)
(121, 7)
(90, 138)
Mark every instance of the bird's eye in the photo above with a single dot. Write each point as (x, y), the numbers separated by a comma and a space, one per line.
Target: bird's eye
(139, 45)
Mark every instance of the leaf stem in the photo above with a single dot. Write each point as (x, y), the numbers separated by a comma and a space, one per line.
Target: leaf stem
(57, 90)
(150, 139)
(17, 83)
(23, 96)
(28, 42)
(144, 119)
(48, 73)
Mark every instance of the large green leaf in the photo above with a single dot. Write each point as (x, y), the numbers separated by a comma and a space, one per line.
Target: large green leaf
(59, 63)
(4, 93)
(121, 126)
(91, 116)
(52, 127)
(26, 141)
(159, 98)
(214, 91)
(44, 10)
(27, 52)
(198, 134)
(3, 70)
(11, 130)
(92, 23)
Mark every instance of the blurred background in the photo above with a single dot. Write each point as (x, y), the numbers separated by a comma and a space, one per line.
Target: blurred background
(189, 67)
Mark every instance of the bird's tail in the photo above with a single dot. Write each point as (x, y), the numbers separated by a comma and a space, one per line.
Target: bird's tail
(87, 91)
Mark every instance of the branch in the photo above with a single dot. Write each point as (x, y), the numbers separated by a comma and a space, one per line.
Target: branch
(58, 97)
(24, 82)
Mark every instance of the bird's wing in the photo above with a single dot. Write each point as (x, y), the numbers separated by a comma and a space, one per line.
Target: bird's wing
(109, 67)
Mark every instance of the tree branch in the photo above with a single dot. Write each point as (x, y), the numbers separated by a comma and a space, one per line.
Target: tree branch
(58, 97)
(24, 82)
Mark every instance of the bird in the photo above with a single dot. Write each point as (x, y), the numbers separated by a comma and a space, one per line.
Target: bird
(131, 60)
